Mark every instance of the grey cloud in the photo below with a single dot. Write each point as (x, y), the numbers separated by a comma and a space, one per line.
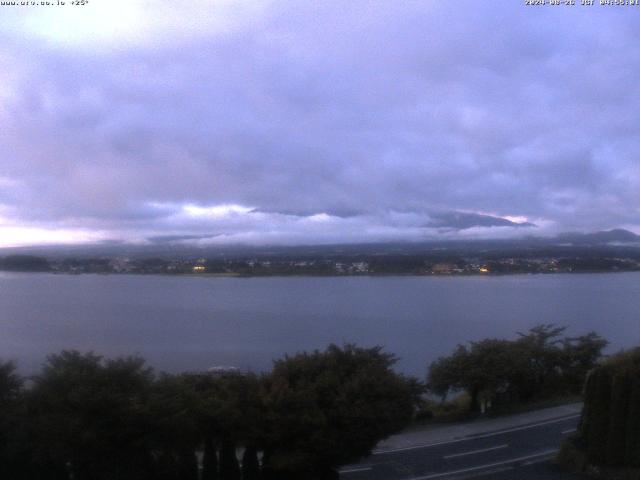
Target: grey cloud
(162, 239)
(333, 212)
(335, 108)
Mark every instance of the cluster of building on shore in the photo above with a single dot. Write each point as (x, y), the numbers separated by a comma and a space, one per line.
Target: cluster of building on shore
(327, 266)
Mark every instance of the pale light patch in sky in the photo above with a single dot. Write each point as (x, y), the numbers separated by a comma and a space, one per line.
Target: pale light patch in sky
(11, 236)
(99, 21)
(481, 233)
(511, 218)
(123, 23)
(319, 217)
(516, 218)
(215, 211)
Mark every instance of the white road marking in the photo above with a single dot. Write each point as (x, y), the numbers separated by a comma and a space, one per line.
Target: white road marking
(354, 470)
(455, 455)
(537, 460)
(571, 430)
(482, 467)
(474, 437)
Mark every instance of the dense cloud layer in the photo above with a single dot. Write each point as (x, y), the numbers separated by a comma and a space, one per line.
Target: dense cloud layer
(298, 122)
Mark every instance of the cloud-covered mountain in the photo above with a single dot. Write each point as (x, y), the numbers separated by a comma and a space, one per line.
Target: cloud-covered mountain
(604, 243)
(462, 221)
(615, 236)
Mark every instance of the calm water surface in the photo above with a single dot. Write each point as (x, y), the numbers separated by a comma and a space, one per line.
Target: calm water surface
(189, 323)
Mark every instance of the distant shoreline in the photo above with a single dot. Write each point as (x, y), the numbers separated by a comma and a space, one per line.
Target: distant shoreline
(310, 275)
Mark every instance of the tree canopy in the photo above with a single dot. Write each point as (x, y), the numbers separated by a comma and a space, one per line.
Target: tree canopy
(91, 418)
(332, 407)
(539, 362)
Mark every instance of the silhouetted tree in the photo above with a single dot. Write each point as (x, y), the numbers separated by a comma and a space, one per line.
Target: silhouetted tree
(89, 416)
(538, 363)
(14, 460)
(229, 414)
(250, 464)
(609, 430)
(209, 459)
(174, 409)
(446, 373)
(579, 355)
(229, 466)
(329, 408)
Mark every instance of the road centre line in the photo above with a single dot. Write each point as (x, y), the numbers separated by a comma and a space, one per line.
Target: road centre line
(485, 435)
(482, 467)
(456, 455)
(535, 461)
(354, 470)
(571, 430)
(524, 427)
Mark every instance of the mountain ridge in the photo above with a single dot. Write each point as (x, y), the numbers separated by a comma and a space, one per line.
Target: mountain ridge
(614, 238)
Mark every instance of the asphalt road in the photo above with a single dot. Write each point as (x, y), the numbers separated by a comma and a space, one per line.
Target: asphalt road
(522, 452)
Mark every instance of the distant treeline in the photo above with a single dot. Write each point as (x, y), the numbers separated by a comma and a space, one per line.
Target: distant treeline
(24, 263)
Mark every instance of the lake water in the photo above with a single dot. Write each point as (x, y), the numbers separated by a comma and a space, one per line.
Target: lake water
(191, 323)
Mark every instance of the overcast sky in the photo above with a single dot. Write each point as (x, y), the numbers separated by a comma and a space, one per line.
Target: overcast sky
(316, 121)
